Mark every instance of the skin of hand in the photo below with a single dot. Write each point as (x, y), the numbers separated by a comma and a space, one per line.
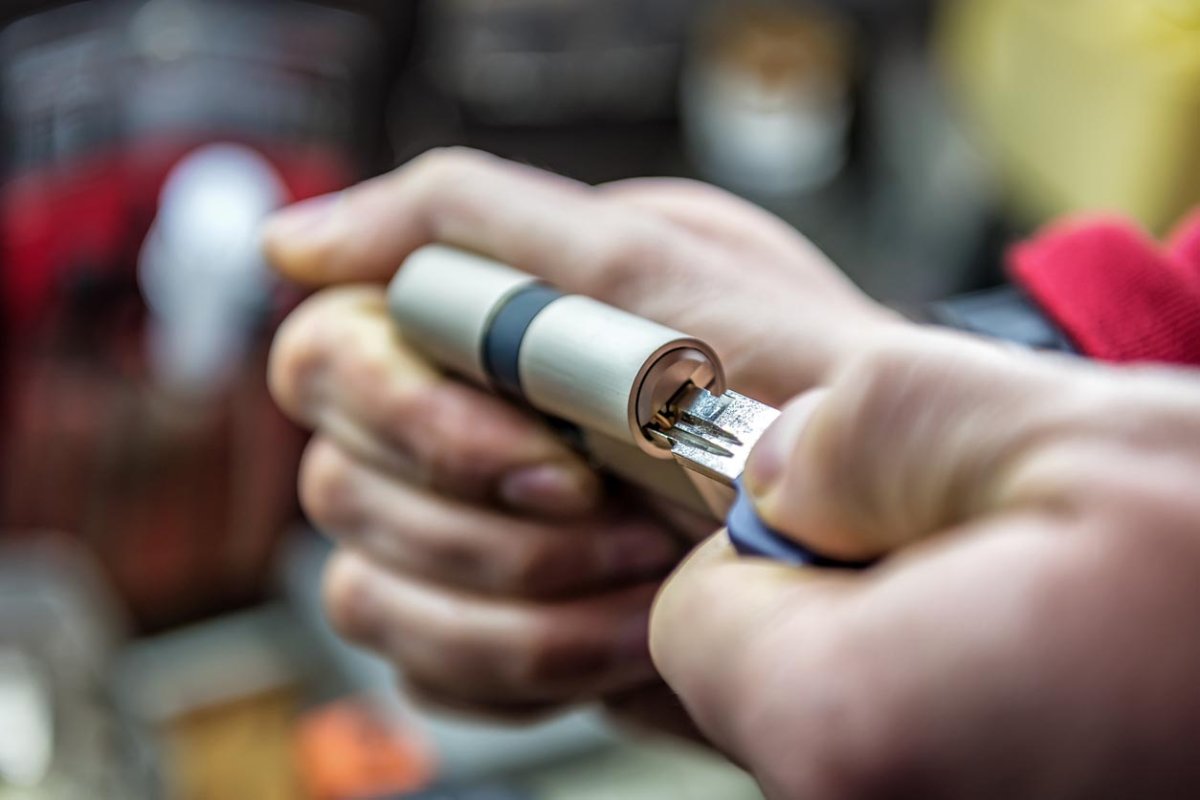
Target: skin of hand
(475, 550)
(1033, 632)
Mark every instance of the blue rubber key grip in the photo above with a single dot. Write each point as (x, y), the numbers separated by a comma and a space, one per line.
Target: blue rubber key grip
(751, 537)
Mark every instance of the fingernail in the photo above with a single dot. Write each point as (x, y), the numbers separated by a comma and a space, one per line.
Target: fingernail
(303, 221)
(771, 454)
(638, 551)
(548, 489)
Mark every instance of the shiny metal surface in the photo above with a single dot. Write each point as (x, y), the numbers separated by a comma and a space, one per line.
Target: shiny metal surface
(648, 399)
(590, 363)
(712, 435)
(442, 299)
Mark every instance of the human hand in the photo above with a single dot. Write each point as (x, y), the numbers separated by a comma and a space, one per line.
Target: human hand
(474, 549)
(1032, 633)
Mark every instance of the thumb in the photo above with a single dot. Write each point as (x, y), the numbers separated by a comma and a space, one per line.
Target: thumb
(716, 634)
(905, 442)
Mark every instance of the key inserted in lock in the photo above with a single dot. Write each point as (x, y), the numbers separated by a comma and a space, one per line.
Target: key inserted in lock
(647, 403)
(635, 389)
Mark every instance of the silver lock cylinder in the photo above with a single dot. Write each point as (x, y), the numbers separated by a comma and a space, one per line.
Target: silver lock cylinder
(600, 368)
(606, 369)
(443, 299)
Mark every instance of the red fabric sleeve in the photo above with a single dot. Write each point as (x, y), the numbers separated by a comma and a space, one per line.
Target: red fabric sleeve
(1115, 292)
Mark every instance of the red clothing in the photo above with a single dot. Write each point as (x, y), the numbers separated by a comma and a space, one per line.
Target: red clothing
(1119, 295)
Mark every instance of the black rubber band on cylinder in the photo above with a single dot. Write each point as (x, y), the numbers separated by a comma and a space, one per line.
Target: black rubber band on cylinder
(501, 347)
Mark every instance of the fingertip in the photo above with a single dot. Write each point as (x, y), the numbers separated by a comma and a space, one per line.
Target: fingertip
(291, 365)
(799, 515)
(776, 451)
(788, 478)
(298, 239)
(303, 343)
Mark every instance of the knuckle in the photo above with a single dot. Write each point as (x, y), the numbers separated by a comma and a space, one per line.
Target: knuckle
(425, 423)
(873, 437)
(446, 164)
(446, 180)
(368, 368)
(452, 464)
(327, 491)
(349, 606)
(876, 389)
(457, 558)
(693, 187)
(685, 189)
(623, 267)
(334, 253)
(434, 694)
(452, 658)
(878, 376)
(550, 653)
(412, 424)
(539, 569)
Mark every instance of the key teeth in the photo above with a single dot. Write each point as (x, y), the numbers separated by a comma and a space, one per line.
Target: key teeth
(700, 432)
(659, 437)
(680, 436)
(708, 426)
(692, 424)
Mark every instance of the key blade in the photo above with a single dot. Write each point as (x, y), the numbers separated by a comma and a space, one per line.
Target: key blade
(713, 434)
(679, 435)
(704, 428)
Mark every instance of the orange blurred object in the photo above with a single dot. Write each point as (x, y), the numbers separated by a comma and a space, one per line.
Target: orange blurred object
(350, 750)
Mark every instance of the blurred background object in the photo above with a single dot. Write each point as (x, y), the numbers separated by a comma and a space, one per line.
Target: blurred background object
(61, 633)
(766, 98)
(169, 641)
(1085, 106)
(160, 134)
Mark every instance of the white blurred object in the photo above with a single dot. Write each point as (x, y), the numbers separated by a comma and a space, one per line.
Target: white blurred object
(766, 99)
(202, 271)
(25, 708)
(61, 737)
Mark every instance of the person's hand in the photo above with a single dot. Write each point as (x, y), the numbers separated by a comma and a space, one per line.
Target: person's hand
(1033, 632)
(474, 549)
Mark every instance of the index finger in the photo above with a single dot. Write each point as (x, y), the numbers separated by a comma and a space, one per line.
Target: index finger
(553, 227)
